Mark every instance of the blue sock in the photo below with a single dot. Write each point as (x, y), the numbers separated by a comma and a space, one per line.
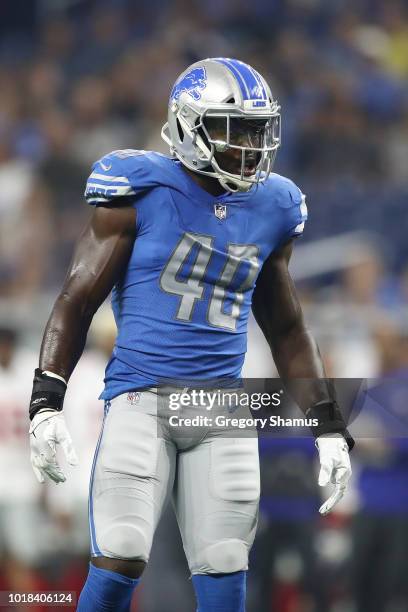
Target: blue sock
(220, 592)
(106, 591)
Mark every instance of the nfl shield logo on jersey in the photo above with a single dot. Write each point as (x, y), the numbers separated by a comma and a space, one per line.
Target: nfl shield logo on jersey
(220, 211)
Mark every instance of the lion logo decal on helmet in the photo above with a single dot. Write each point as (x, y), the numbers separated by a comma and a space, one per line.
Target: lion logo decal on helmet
(192, 83)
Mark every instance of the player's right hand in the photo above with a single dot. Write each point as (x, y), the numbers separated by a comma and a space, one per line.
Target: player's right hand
(47, 430)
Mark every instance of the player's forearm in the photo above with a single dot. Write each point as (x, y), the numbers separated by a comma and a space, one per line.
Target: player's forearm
(297, 358)
(65, 336)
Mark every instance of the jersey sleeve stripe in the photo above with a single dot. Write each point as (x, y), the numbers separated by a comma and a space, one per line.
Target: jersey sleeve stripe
(303, 208)
(110, 179)
(113, 189)
(93, 200)
(299, 228)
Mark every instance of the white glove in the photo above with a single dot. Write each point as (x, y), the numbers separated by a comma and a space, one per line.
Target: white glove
(334, 467)
(48, 429)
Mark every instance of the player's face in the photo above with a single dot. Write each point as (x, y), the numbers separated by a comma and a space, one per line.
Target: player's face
(243, 133)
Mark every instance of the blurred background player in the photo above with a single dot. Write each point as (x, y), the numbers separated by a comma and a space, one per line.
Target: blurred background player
(340, 71)
(21, 516)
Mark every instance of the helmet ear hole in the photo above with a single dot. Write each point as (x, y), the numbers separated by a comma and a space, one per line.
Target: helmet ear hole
(180, 131)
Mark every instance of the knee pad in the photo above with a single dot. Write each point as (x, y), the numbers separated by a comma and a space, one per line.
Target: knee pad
(124, 541)
(225, 557)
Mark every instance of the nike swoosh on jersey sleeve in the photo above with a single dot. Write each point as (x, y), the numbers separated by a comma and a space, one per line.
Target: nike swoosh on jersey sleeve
(109, 179)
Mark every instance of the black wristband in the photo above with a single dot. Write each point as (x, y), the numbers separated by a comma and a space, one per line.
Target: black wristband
(48, 392)
(330, 420)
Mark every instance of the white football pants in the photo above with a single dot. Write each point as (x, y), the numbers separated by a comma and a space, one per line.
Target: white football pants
(139, 462)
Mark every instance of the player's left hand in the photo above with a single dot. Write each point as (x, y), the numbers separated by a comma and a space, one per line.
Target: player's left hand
(334, 467)
(48, 429)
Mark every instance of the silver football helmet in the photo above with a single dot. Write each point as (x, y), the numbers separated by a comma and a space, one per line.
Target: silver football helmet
(222, 92)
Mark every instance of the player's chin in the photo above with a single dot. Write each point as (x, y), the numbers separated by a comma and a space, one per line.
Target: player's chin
(233, 166)
(250, 170)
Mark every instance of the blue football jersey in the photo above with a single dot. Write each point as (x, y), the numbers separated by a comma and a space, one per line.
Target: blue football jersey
(182, 304)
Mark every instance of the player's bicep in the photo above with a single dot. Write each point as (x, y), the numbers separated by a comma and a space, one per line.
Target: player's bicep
(100, 256)
(275, 303)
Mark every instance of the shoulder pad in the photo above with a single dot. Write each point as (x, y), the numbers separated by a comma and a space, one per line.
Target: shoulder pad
(113, 176)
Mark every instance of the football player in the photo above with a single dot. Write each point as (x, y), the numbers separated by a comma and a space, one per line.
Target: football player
(181, 241)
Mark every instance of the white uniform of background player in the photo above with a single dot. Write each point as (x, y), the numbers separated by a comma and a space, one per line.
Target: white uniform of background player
(20, 516)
